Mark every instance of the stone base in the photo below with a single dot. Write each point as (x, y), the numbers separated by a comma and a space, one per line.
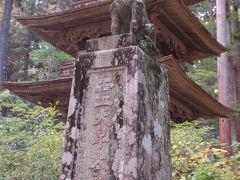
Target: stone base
(118, 118)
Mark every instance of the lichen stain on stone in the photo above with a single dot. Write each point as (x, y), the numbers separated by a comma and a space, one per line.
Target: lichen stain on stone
(131, 167)
(162, 104)
(133, 87)
(81, 79)
(123, 56)
(124, 40)
(154, 74)
(135, 57)
(121, 170)
(67, 125)
(92, 46)
(62, 176)
(72, 105)
(74, 132)
(147, 143)
(119, 102)
(69, 143)
(67, 158)
(80, 84)
(137, 136)
(131, 138)
(157, 129)
(156, 157)
(102, 55)
(117, 165)
(141, 105)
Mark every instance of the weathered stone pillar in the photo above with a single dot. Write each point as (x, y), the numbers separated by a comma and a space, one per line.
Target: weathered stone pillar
(118, 117)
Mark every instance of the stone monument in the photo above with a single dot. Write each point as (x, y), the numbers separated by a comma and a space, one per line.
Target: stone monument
(118, 119)
(118, 116)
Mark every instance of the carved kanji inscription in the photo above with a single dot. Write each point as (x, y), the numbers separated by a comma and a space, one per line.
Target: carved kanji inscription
(97, 125)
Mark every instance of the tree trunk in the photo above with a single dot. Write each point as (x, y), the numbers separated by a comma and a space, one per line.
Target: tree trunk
(235, 25)
(210, 10)
(50, 63)
(26, 66)
(60, 5)
(4, 35)
(225, 74)
(237, 83)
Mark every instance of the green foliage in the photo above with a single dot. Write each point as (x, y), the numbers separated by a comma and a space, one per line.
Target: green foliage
(19, 66)
(204, 73)
(194, 158)
(210, 25)
(31, 140)
(20, 43)
(37, 7)
(204, 10)
(45, 57)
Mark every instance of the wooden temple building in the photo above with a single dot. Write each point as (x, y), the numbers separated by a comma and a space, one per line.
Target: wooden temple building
(180, 38)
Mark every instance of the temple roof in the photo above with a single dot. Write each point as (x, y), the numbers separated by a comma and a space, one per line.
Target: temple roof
(188, 95)
(77, 3)
(45, 92)
(178, 31)
(188, 101)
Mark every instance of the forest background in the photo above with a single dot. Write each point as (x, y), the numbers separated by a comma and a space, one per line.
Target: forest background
(31, 137)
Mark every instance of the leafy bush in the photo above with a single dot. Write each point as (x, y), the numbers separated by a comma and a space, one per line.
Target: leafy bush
(204, 74)
(31, 140)
(45, 58)
(31, 143)
(194, 158)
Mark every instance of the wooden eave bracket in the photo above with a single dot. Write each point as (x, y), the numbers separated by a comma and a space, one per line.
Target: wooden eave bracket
(196, 91)
(37, 23)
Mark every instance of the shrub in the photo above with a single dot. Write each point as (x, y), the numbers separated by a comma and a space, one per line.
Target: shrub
(31, 140)
(195, 158)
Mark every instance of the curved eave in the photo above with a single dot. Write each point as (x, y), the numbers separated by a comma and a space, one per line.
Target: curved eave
(193, 23)
(179, 19)
(55, 28)
(45, 92)
(184, 94)
(186, 91)
(65, 17)
(45, 85)
(94, 20)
